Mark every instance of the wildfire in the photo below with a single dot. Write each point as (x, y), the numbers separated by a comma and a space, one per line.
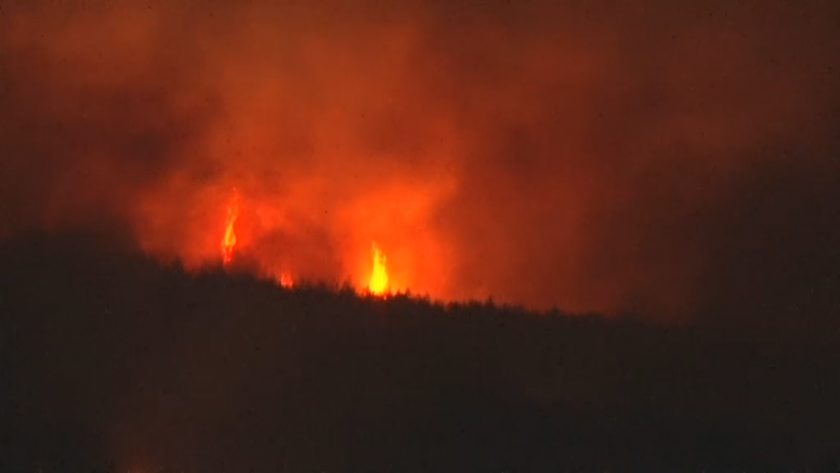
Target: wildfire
(229, 238)
(379, 283)
(379, 275)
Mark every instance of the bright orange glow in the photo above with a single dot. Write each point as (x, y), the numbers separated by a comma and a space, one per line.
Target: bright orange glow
(229, 238)
(286, 280)
(379, 275)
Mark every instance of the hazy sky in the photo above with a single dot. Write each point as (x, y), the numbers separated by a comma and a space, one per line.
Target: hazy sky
(677, 158)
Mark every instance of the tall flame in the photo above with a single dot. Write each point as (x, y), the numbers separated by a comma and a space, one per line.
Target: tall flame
(229, 238)
(379, 275)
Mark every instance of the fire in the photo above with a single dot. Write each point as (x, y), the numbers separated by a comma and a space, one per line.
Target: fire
(379, 275)
(229, 238)
(286, 280)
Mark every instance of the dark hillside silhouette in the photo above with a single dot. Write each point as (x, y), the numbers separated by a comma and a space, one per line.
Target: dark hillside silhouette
(111, 362)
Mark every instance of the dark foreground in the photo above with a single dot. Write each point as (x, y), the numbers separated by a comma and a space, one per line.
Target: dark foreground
(110, 362)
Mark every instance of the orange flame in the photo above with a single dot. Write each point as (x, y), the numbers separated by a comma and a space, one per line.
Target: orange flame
(286, 280)
(229, 238)
(378, 284)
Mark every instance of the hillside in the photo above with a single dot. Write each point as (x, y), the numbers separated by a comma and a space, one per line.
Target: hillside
(111, 362)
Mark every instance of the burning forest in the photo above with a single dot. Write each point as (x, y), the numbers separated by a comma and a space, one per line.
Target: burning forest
(612, 159)
(234, 232)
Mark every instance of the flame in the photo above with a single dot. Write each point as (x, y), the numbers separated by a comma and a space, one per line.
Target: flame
(286, 280)
(229, 238)
(379, 275)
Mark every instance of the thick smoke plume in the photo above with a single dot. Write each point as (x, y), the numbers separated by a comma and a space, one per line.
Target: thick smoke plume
(656, 156)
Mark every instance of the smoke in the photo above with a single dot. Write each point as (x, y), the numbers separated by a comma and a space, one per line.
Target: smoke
(671, 158)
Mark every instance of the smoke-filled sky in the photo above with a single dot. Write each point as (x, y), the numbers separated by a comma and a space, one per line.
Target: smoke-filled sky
(675, 158)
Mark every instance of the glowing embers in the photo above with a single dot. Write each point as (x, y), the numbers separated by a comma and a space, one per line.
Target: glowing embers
(229, 238)
(378, 284)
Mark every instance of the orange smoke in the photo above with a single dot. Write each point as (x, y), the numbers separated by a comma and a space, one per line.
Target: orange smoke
(229, 238)
(378, 284)
(525, 151)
